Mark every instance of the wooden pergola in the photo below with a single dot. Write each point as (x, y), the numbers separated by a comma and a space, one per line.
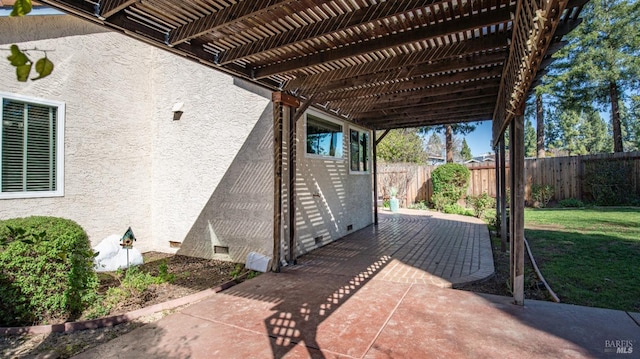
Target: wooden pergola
(378, 64)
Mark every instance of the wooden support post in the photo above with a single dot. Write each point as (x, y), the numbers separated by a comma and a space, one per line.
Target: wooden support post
(516, 148)
(498, 185)
(291, 145)
(277, 183)
(375, 179)
(281, 102)
(503, 195)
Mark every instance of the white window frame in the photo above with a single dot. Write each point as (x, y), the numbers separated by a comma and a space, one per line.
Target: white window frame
(60, 121)
(328, 119)
(369, 150)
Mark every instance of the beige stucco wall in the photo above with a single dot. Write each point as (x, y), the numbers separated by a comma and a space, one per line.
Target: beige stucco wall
(329, 197)
(107, 121)
(204, 181)
(192, 156)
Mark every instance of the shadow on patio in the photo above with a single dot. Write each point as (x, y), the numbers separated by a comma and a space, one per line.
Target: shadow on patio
(372, 295)
(404, 249)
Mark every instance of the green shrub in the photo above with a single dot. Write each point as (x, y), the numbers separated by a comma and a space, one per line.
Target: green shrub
(423, 205)
(542, 194)
(457, 209)
(481, 203)
(571, 202)
(450, 182)
(46, 270)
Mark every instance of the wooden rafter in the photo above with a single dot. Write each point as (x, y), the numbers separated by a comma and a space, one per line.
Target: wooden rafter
(361, 59)
(449, 65)
(491, 43)
(414, 83)
(342, 22)
(110, 7)
(225, 17)
(534, 26)
(392, 40)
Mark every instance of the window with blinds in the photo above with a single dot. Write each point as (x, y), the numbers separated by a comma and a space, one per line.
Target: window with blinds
(29, 149)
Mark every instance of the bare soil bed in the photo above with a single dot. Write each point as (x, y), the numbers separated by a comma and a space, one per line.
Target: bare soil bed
(191, 276)
(499, 283)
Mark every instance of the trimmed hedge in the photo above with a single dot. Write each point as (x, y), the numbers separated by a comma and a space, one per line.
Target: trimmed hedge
(46, 271)
(450, 182)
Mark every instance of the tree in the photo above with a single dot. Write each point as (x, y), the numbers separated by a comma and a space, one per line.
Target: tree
(450, 130)
(19, 58)
(539, 126)
(602, 60)
(594, 133)
(465, 152)
(402, 145)
(434, 145)
(529, 140)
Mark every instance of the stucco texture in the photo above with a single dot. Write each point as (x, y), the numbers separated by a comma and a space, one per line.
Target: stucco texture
(204, 181)
(105, 180)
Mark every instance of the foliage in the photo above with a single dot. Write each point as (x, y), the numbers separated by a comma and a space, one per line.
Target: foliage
(21, 8)
(601, 63)
(46, 270)
(465, 152)
(450, 182)
(19, 59)
(457, 209)
(529, 140)
(450, 131)
(402, 145)
(542, 194)
(393, 191)
(481, 203)
(386, 204)
(571, 202)
(588, 256)
(434, 145)
(422, 205)
(609, 183)
(133, 284)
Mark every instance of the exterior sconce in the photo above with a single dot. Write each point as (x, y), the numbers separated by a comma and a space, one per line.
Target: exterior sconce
(177, 110)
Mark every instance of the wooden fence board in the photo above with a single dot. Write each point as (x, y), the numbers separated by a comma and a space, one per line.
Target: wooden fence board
(565, 174)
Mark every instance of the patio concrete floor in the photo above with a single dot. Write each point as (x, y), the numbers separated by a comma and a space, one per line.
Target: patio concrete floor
(379, 293)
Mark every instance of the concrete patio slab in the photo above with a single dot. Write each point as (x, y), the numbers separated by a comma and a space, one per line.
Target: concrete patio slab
(348, 304)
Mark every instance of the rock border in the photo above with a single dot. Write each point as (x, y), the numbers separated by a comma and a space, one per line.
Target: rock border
(116, 319)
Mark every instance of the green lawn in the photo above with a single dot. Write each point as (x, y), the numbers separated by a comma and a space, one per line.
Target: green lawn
(589, 256)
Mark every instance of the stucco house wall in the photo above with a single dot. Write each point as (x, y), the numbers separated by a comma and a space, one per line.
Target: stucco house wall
(331, 200)
(205, 181)
(107, 150)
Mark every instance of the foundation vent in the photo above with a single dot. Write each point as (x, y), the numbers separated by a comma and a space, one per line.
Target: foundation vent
(220, 250)
(350, 227)
(318, 239)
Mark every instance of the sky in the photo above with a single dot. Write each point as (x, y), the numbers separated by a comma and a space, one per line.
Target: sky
(480, 140)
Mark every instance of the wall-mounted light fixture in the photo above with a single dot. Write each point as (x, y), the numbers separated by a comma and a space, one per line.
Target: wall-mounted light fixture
(177, 110)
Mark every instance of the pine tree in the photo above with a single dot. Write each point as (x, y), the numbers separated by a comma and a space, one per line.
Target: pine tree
(602, 61)
(529, 140)
(434, 145)
(465, 152)
(449, 130)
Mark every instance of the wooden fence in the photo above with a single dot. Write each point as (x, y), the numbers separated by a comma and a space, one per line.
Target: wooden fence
(581, 177)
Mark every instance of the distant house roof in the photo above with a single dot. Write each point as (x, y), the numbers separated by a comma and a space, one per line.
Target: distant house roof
(487, 157)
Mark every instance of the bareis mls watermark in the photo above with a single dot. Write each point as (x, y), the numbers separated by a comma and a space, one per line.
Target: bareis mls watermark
(618, 346)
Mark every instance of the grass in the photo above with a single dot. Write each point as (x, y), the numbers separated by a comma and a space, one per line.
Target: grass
(589, 256)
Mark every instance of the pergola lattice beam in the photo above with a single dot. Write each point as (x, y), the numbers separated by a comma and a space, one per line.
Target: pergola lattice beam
(377, 12)
(234, 13)
(390, 41)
